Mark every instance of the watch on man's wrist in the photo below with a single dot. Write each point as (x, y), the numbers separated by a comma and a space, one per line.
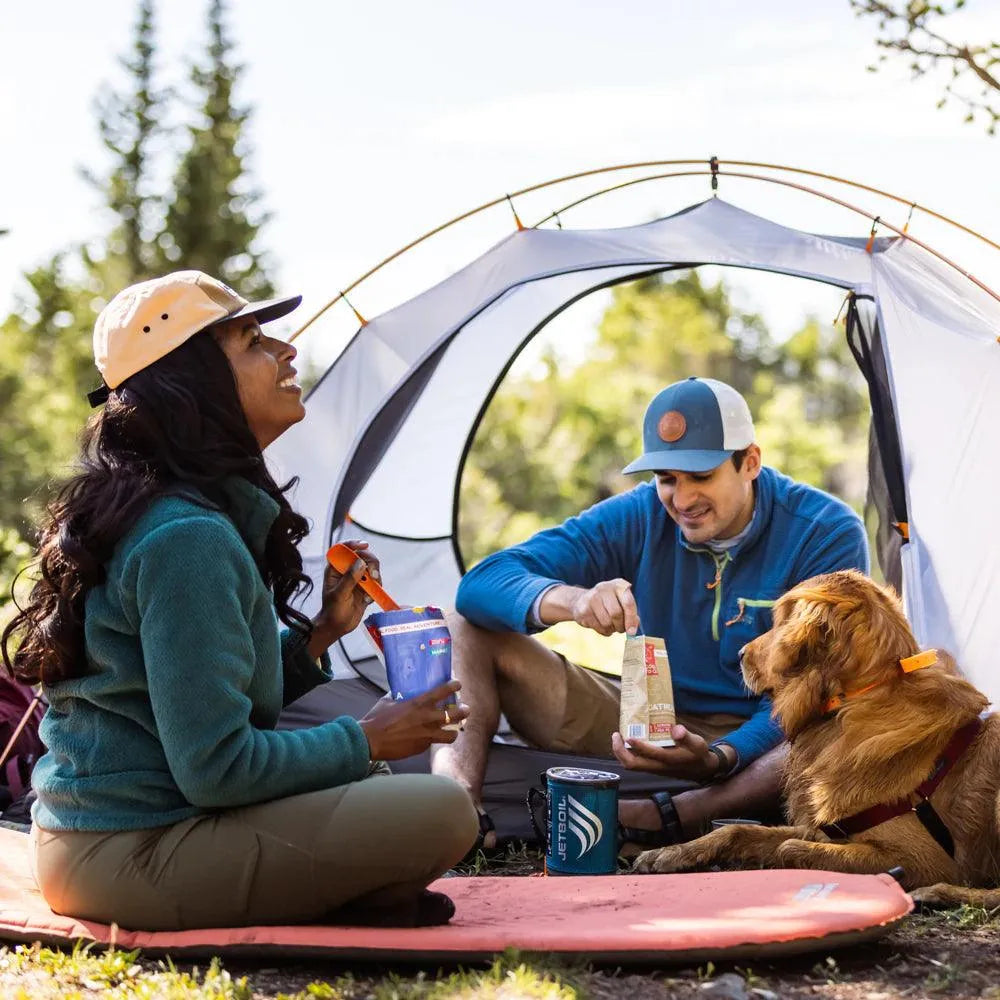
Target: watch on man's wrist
(726, 766)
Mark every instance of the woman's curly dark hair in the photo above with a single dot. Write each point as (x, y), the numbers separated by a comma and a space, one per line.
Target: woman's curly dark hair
(175, 426)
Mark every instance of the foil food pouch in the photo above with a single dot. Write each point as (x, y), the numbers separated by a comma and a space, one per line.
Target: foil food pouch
(647, 701)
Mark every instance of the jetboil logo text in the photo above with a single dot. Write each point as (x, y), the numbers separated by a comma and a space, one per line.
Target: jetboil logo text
(573, 817)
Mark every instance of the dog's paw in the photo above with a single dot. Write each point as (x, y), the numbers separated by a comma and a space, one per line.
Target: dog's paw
(929, 897)
(796, 854)
(662, 861)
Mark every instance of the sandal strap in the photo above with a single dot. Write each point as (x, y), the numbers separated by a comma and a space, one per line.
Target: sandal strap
(670, 831)
(486, 826)
(668, 816)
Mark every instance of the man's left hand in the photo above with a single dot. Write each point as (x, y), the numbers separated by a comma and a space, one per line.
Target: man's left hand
(688, 758)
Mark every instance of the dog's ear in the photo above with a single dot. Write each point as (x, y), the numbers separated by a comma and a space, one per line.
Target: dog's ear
(801, 659)
(806, 632)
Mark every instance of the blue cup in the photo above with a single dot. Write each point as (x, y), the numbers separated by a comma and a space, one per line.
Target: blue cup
(416, 647)
(581, 820)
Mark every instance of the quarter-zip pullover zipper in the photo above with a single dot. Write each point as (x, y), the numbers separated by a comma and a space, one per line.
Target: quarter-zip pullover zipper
(721, 561)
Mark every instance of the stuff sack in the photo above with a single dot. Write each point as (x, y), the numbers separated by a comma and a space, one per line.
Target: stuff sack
(18, 754)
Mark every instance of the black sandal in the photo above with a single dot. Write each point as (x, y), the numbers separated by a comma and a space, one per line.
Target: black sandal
(486, 826)
(670, 831)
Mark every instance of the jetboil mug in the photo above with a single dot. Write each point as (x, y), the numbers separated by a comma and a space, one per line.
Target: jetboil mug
(581, 820)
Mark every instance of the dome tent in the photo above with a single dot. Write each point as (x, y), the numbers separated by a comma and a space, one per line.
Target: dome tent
(381, 451)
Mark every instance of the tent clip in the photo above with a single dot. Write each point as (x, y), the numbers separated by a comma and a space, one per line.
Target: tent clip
(906, 225)
(520, 224)
(361, 318)
(840, 311)
(871, 235)
(714, 164)
(558, 220)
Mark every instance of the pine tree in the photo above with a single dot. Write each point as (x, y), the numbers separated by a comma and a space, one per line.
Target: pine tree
(130, 123)
(213, 221)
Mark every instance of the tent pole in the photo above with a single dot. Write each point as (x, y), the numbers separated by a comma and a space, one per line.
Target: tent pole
(643, 165)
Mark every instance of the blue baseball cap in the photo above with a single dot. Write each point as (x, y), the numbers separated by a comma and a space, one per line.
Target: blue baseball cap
(693, 426)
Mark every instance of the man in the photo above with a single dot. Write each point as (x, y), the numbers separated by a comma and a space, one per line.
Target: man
(696, 556)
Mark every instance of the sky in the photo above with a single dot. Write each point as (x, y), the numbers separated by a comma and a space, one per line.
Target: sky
(374, 122)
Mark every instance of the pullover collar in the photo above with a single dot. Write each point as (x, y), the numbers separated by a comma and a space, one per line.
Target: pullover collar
(252, 511)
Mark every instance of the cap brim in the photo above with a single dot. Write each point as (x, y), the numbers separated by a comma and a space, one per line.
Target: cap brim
(678, 461)
(270, 309)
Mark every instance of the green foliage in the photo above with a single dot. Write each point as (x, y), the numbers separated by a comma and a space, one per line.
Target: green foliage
(213, 222)
(210, 223)
(909, 29)
(129, 124)
(46, 368)
(554, 440)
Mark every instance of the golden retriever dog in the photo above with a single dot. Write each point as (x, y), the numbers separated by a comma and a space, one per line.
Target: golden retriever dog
(866, 729)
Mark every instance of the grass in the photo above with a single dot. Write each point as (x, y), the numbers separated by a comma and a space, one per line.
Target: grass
(30, 972)
(36, 973)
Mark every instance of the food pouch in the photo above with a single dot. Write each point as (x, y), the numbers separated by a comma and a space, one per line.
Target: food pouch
(415, 645)
(647, 702)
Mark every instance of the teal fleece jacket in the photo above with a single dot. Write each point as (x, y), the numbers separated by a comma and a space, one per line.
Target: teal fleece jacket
(187, 672)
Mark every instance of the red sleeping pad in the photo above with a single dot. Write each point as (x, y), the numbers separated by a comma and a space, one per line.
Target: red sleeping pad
(626, 918)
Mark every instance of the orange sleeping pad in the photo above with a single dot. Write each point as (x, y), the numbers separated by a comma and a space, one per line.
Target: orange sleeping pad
(718, 916)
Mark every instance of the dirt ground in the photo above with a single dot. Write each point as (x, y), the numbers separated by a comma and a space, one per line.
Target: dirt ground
(946, 953)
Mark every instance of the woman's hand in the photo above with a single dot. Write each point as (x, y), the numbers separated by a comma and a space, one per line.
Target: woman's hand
(344, 602)
(397, 729)
(688, 758)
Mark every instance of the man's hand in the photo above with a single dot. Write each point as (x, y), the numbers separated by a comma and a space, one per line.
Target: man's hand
(606, 608)
(689, 758)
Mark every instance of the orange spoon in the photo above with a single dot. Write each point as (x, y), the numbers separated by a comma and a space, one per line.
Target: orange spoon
(342, 558)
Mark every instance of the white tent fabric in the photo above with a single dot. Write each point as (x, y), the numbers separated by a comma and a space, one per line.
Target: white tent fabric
(389, 424)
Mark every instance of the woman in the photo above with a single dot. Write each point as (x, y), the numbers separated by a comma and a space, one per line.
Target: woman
(167, 799)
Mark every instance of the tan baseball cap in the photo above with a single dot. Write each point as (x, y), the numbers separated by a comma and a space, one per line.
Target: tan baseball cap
(145, 321)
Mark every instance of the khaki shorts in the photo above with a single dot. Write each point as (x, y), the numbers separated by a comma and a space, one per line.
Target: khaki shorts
(592, 702)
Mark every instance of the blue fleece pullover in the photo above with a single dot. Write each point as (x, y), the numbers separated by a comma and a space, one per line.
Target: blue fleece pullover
(705, 605)
(187, 672)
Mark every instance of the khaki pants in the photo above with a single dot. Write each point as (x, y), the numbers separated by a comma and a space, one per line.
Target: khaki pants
(592, 707)
(291, 860)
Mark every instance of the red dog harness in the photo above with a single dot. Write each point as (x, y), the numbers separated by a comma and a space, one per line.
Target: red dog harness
(923, 809)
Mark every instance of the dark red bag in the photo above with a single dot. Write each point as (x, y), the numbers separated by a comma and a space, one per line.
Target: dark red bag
(19, 709)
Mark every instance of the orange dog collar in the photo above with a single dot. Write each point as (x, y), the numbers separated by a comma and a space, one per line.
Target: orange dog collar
(919, 661)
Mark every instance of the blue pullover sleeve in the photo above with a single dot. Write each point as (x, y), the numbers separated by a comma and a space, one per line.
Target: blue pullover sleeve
(200, 659)
(602, 543)
(756, 736)
(844, 546)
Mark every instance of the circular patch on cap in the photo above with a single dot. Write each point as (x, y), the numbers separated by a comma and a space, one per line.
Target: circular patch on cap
(672, 426)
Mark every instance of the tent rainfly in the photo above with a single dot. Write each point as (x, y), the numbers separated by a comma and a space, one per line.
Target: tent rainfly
(381, 451)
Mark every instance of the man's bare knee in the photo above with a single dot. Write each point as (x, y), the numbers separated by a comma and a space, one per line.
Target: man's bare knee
(474, 649)
(529, 678)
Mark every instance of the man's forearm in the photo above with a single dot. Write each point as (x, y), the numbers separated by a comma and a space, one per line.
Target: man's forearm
(557, 604)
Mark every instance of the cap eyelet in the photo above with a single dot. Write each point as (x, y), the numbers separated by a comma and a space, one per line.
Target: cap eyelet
(145, 329)
(164, 316)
